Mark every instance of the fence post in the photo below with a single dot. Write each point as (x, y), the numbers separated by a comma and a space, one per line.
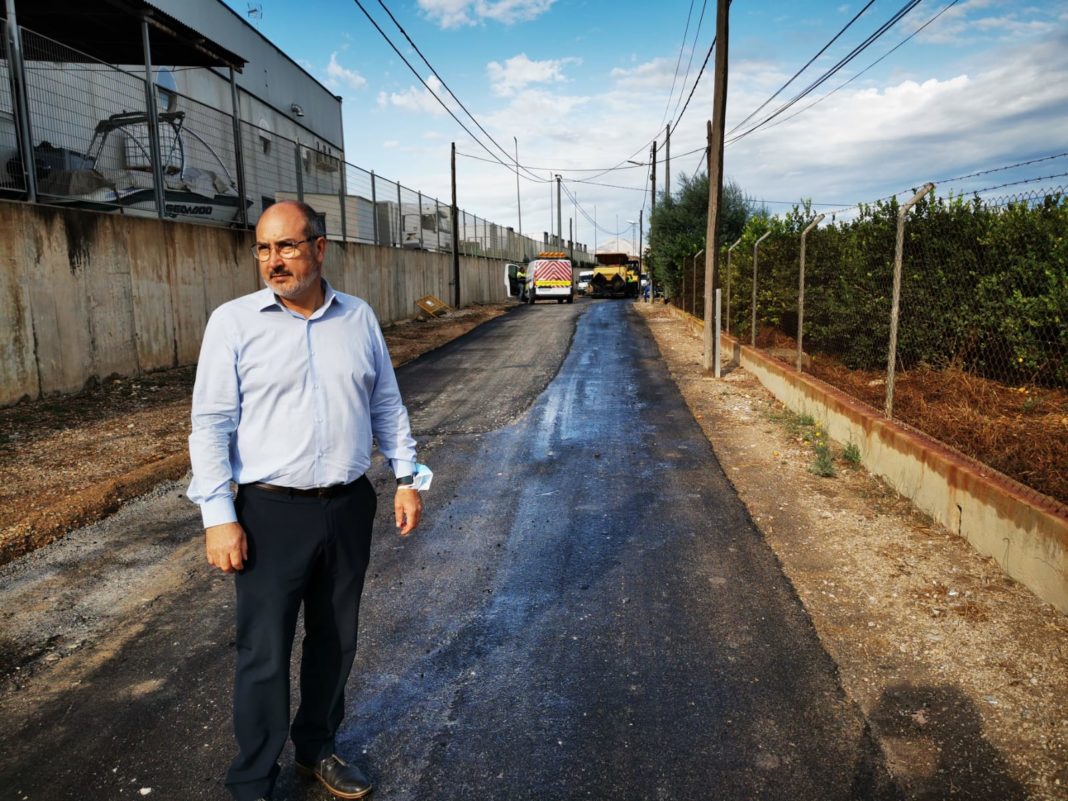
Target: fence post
(437, 223)
(895, 304)
(17, 74)
(421, 221)
(300, 172)
(239, 152)
(341, 165)
(374, 207)
(801, 290)
(400, 218)
(752, 325)
(727, 327)
(152, 121)
(693, 266)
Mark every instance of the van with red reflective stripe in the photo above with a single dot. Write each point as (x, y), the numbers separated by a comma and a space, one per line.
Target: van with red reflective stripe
(550, 277)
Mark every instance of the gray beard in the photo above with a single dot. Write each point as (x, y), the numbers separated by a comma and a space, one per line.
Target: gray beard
(295, 291)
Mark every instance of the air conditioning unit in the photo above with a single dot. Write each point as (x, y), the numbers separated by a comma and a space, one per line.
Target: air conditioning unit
(324, 162)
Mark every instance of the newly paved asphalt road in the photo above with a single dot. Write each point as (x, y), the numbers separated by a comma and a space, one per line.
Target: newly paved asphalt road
(587, 612)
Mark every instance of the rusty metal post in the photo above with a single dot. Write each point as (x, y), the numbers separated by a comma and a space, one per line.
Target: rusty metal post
(752, 325)
(801, 289)
(895, 304)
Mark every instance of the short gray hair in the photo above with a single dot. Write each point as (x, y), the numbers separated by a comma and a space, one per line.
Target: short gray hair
(313, 221)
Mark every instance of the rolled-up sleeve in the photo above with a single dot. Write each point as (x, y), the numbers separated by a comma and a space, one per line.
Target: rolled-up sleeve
(389, 417)
(215, 414)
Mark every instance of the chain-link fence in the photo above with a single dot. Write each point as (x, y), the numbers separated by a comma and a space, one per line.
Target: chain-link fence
(978, 355)
(92, 148)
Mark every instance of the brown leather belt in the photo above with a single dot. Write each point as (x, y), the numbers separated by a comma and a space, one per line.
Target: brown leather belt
(315, 492)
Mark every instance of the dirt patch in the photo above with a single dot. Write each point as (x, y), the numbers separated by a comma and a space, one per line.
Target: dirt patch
(961, 672)
(66, 461)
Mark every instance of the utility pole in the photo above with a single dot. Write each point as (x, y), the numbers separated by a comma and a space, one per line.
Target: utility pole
(641, 224)
(455, 239)
(571, 238)
(550, 211)
(652, 160)
(518, 204)
(667, 161)
(595, 231)
(559, 215)
(710, 360)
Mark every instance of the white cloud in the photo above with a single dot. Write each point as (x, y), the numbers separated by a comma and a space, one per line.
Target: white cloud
(519, 71)
(654, 74)
(456, 13)
(417, 98)
(859, 142)
(339, 76)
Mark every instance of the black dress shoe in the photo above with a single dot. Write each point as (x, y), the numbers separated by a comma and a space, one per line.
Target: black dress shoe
(338, 776)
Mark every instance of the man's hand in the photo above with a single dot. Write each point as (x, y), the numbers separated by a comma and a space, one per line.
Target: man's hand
(227, 546)
(408, 507)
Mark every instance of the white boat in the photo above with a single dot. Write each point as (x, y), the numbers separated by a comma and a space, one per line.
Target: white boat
(190, 193)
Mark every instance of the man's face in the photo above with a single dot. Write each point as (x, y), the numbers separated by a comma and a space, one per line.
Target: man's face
(290, 278)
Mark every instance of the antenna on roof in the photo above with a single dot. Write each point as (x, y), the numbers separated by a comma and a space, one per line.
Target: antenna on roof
(255, 11)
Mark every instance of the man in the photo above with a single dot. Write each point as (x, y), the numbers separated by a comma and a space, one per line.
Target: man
(292, 383)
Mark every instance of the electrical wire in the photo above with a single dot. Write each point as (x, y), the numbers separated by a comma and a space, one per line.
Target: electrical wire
(880, 31)
(808, 63)
(424, 83)
(689, 64)
(881, 58)
(678, 62)
(437, 75)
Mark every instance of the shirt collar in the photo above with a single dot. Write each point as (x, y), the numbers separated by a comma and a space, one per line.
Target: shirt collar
(267, 300)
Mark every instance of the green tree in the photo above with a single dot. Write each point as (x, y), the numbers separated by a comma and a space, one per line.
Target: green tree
(678, 226)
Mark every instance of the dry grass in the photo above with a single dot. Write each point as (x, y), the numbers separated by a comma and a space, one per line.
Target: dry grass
(1019, 431)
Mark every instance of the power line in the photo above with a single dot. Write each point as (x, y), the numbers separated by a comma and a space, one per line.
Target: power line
(881, 58)
(446, 86)
(904, 10)
(424, 83)
(807, 65)
(678, 62)
(689, 64)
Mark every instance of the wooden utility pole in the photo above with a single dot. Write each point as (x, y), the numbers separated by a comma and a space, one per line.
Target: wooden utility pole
(667, 161)
(455, 239)
(710, 359)
(652, 160)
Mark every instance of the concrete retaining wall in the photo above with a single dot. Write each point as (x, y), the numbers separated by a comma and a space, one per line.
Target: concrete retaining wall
(86, 294)
(1024, 531)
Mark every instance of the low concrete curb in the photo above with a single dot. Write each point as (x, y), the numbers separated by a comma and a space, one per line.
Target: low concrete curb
(1025, 531)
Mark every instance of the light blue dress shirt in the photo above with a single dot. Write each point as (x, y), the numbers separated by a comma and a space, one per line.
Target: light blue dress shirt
(292, 401)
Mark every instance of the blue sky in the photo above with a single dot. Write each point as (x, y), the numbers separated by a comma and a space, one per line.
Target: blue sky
(587, 84)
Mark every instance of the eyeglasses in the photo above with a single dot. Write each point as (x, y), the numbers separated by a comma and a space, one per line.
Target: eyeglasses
(287, 248)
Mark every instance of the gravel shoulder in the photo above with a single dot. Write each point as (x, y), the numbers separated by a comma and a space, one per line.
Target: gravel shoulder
(67, 461)
(953, 663)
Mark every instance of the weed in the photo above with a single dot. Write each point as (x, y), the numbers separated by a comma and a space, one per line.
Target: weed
(824, 462)
(852, 454)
